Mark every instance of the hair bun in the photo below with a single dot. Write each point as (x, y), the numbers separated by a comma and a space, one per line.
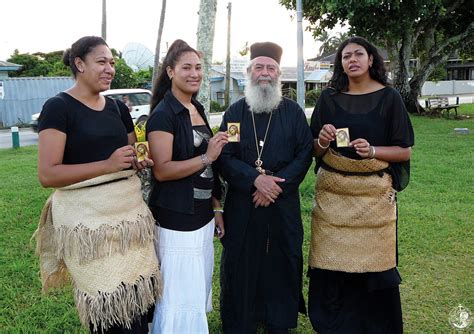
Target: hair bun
(66, 57)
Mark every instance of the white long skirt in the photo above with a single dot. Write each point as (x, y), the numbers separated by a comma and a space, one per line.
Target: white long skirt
(187, 263)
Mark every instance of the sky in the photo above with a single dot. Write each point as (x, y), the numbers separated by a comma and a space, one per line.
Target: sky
(50, 25)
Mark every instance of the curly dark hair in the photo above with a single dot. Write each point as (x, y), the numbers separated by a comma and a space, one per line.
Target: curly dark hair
(163, 82)
(340, 81)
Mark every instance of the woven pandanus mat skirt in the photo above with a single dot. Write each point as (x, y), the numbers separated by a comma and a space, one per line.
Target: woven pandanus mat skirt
(353, 226)
(102, 233)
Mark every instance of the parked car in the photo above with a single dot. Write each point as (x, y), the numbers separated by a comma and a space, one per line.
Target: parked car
(138, 101)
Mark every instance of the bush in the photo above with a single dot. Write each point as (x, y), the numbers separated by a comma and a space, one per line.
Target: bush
(312, 96)
(216, 107)
(215, 129)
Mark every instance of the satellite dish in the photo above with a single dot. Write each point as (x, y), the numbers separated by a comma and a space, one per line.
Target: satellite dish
(138, 56)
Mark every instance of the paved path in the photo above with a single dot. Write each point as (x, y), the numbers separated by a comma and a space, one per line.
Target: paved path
(27, 137)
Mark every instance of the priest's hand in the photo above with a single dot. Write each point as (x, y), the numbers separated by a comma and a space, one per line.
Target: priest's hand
(268, 186)
(260, 200)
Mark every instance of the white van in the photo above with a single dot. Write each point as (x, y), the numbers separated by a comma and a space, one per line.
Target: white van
(138, 103)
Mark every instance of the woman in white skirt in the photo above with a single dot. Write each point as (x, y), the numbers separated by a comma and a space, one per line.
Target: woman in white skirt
(185, 199)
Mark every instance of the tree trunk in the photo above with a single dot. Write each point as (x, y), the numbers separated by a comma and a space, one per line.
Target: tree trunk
(205, 41)
(104, 19)
(402, 74)
(417, 81)
(156, 65)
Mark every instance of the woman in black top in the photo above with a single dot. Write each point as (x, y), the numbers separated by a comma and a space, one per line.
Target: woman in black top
(353, 255)
(85, 145)
(186, 191)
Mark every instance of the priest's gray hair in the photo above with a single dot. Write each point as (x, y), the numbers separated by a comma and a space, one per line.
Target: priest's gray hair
(262, 99)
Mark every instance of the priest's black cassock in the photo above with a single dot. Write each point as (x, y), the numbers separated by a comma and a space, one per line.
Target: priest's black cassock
(261, 265)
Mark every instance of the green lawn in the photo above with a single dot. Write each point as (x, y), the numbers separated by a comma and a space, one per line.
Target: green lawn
(435, 237)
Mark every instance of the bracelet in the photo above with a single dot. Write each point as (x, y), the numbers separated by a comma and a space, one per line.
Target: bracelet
(205, 160)
(372, 152)
(323, 147)
(221, 210)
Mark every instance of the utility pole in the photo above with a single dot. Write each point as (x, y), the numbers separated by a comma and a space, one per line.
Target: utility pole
(300, 88)
(104, 19)
(227, 62)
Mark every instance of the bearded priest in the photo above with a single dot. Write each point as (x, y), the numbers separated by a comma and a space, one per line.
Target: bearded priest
(262, 262)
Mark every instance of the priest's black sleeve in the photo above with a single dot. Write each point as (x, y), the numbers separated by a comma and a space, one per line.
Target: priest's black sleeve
(295, 171)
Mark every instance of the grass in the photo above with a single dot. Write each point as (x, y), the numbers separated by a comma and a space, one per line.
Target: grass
(435, 237)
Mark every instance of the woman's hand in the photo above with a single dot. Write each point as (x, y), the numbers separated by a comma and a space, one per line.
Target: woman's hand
(142, 164)
(219, 220)
(363, 148)
(326, 135)
(122, 158)
(215, 145)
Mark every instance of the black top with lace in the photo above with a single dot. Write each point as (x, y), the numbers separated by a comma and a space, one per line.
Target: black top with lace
(379, 117)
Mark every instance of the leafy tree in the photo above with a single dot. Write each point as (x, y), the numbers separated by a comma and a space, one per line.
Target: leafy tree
(426, 29)
(124, 75)
(51, 65)
(30, 65)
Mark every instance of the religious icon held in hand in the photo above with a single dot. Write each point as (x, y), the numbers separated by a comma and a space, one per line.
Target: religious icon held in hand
(342, 137)
(142, 150)
(233, 130)
(141, 146)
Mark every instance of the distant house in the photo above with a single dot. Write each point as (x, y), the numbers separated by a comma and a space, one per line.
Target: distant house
(5, 67)
(217, 78)
(314, 78)
(460, 70)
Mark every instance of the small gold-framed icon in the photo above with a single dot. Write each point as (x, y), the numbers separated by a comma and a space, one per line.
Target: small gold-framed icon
(142, 150)
(342, 137)
(233, 130)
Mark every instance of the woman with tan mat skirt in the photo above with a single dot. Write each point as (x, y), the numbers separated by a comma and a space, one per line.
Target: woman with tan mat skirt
(95, 225)
(362, 143)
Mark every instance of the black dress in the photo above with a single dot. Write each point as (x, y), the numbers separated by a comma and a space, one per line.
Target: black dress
(341, 302)
(262, 262)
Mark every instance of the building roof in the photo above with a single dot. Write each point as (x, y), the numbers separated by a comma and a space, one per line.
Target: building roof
(288, 74)
(319, 76)
(7, 66)
(330, 58)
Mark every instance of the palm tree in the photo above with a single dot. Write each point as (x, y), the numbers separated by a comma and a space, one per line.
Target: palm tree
(205, 41)
(330, 43)
(156, 66)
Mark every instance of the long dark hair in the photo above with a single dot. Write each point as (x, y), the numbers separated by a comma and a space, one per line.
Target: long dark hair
(340, 81)
(81, 48)
(163, 82)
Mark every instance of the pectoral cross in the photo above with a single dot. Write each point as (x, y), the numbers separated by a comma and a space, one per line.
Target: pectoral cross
(259, 168)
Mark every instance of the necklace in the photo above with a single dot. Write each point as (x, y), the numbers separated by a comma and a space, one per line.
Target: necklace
(259, 162)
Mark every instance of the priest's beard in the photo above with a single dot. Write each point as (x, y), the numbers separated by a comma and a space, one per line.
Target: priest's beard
(263, 99)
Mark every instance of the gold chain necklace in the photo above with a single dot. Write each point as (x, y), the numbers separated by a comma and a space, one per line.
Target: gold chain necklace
(259, 162)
